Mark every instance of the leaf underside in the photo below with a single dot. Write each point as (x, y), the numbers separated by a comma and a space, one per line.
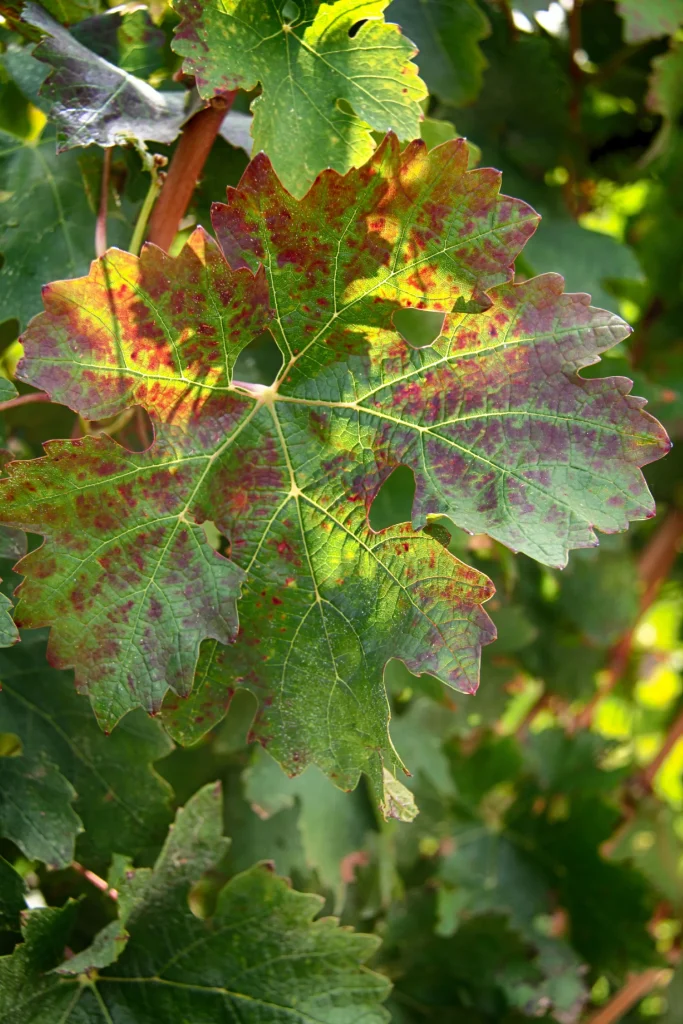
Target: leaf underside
(502, 435)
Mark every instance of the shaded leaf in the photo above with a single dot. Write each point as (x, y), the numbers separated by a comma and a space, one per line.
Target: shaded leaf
(446, 33)
(130, 41)
(332, 824)
(95, 102)
(652, 839)
(262, 956)
(12, 890)
(47, 225)
(36, 811)
(123, 804)
(651, 19)
(325, 85)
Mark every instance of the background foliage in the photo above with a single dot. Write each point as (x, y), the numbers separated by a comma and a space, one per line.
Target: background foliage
(543, 876)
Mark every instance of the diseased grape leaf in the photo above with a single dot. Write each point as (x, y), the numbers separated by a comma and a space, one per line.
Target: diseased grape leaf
(95, 102)
(500, 431)
(36, 811)
(325, 85)
(122, 802)
(446, 33)
(650, 19)
(258, 958)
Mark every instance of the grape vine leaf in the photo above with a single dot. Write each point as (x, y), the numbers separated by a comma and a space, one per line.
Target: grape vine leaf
(95, 102)
(332, 824)
(650, 20)
(665, 95)
(447, 34)
(289, 472)
(35, 809)
(525, 841)
(263, 958)
(122, 803)
(47, 223)
(325, 85)
(130, 41)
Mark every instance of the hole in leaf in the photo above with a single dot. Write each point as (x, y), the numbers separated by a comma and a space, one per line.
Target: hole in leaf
(394, 500)
(356, 28)
(345, 107)
(133, 429)
(291, 11)
(419, 327)
(216, 539)
(260, 362)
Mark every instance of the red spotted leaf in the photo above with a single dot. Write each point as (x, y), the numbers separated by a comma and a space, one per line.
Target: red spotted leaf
(501, 432)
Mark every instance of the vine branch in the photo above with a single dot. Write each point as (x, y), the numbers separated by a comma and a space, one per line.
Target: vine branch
(654, 566)
(637, 986)
(186, 165)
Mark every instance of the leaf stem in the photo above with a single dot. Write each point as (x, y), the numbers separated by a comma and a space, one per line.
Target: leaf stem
(35, 396)
(95, 880)
(186, 165)
(145, 210)
(101, 223)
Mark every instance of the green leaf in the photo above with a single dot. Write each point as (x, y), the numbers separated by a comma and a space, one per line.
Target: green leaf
(29, 994)
(324, 86)
(123, 804)
(332, 824)
(130, 41)
(652, 839)
(95, 102)
(36, 811)
(446, 33)
(12, 902)
(289, 472)
(650, 20)
(47, 224)
(258, 958)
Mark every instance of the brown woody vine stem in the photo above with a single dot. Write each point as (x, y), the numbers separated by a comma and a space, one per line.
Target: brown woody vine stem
(675, 733)
(637, 986)
(186, 166)
(654, 566)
